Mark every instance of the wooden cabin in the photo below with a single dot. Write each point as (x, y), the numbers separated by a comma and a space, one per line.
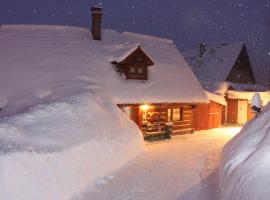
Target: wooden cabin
(126, 68)
(152, 117)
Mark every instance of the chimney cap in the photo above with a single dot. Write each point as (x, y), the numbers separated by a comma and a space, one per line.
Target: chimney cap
(96, 9)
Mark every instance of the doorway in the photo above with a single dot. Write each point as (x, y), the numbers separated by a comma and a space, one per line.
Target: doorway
(242, 112)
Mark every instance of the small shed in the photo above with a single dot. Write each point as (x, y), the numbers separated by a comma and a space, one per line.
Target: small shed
(211, 115)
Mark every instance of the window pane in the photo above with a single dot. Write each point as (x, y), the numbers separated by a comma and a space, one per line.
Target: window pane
(140, 70)
(169, 115)
(131, 70)
(176, 114)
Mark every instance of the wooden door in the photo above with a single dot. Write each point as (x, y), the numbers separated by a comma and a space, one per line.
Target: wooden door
(242, 111)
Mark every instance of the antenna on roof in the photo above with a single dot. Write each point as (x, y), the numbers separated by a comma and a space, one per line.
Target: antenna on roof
(202, 47)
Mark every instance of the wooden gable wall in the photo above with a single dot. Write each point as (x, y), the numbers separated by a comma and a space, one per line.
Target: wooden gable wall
(135, 66)
(242, 70)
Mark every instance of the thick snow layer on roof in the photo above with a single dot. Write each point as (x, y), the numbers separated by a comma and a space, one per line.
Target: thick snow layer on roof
(41, 62)
(216, 98)
(223, 87)
(244, 170)
(216, 63)
(125, 52)
(56, 150)
(265, 96)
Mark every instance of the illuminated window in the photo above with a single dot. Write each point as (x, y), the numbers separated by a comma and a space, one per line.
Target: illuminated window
(169, 115)
(140, 70)
(176, 114)
(131, 70)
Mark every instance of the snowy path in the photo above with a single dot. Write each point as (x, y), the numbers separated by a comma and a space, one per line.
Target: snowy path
(184, 168)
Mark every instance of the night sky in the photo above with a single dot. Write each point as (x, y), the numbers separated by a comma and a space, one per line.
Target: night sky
(186, 22)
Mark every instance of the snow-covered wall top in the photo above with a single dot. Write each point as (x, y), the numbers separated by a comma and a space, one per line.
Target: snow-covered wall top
(41, 62)
(218, 98)
(216, 62)
(265, 96)
(223, 87)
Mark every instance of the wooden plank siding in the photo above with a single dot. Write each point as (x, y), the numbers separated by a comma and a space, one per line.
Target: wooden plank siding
(232, 111)
(250, 113)
(208, 116)
(135, 66)
(158, 114)
(232, 116)
(186, 124)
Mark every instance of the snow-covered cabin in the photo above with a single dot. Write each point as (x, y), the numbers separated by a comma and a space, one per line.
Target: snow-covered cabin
(227, 66)
(42, 63)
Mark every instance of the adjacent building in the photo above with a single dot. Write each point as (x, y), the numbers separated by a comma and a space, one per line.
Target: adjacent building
(222, 70)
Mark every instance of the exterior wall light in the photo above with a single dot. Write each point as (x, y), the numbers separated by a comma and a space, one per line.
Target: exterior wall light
(145, 107)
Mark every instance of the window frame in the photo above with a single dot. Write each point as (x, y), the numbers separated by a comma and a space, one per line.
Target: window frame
(132, 70)
(140, 70)
(176, 114)
(172, 113)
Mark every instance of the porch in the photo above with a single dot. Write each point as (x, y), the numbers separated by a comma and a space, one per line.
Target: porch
(155, 120)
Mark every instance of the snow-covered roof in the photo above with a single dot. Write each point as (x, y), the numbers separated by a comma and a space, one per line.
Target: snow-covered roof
(40, 62)
(265, 96)
(223, 87)
(216, 98)
(128, 50)
(216, 62)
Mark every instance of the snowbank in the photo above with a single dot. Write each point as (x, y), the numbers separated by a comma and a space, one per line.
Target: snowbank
(56, 150)
(245, 162)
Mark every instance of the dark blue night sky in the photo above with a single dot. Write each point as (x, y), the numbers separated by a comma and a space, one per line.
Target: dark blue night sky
(186, 22)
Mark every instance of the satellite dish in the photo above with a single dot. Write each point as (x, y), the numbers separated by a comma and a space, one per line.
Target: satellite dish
(256, 103)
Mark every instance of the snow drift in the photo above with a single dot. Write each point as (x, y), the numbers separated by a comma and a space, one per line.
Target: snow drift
(62, 132)
(245, 163)
(56, 150)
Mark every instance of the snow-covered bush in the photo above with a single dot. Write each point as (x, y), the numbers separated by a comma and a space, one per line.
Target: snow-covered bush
(56, 150)
(245, 164)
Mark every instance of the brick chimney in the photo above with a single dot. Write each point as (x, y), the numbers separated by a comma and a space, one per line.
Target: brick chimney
(96, 12)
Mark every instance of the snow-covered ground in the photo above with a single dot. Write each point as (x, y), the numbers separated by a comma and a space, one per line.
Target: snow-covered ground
(184, 168)
(55, 150)
(245, 165)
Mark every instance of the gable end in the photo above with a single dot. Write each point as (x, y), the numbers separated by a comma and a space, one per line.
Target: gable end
(242, 69)
(135, 65)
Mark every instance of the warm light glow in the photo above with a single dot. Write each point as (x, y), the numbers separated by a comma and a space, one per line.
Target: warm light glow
(229, 132)
(145, 107)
